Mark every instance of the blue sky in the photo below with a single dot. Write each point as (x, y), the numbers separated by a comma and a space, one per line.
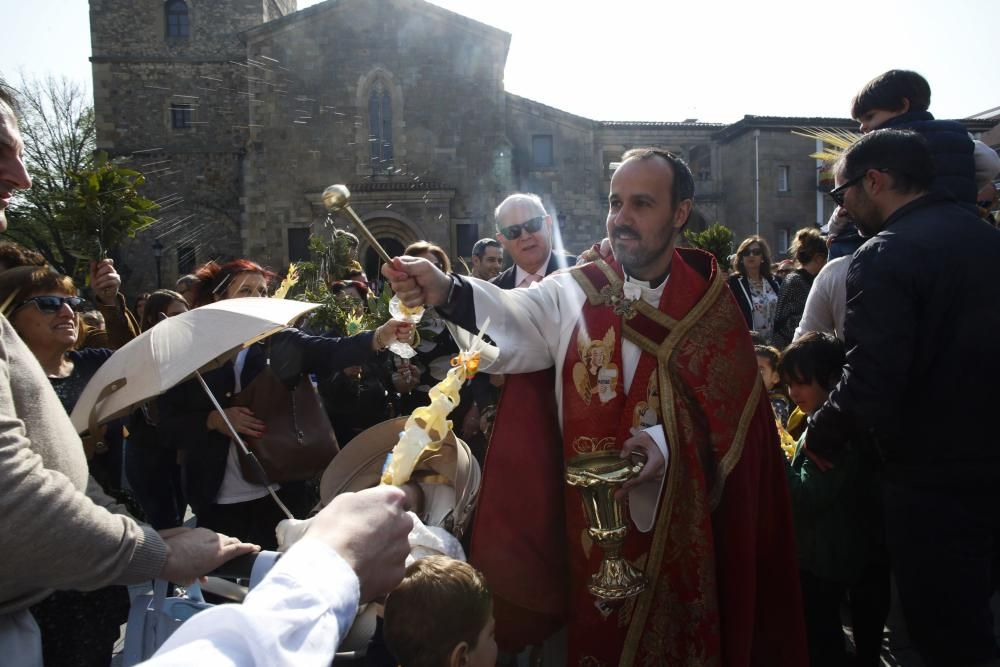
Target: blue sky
(664, 61)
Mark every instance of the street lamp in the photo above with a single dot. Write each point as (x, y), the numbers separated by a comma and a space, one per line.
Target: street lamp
(157, 254)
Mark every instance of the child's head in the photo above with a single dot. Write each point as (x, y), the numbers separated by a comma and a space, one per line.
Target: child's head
(441, 615)
(811, 367)
(767, 364)
(889, 95)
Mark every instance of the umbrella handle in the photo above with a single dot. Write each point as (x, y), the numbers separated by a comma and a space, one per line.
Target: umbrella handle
(243, 446)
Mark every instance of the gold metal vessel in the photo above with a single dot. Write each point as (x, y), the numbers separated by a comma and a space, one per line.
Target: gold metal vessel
(598, 476)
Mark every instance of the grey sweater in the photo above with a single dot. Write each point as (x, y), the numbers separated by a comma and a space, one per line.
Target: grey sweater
(58, 530)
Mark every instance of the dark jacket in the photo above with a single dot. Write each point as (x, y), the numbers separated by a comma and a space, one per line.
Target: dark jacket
(184, 409)
(556, 261)
(791, 302)
(740, 287)
(952, 149)
(923, 312)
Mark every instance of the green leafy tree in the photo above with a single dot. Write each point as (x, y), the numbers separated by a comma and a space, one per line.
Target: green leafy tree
(81, 205)
(716, 239)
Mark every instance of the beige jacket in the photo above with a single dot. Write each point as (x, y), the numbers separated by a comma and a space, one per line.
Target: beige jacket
(58, 530)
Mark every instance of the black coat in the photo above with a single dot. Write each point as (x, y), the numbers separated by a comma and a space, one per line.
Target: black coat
(923, 313)
(740, 287)
(505, 280)
(184, 409)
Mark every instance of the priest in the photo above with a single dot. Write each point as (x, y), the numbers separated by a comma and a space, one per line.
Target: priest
(650, 354)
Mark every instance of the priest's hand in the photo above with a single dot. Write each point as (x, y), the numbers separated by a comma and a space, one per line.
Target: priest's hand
(642, 443)
(417, 282)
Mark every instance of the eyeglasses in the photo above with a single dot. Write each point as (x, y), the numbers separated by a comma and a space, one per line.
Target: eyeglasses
(50, 305)
(531, 226)
(756, 252)
(837, 194)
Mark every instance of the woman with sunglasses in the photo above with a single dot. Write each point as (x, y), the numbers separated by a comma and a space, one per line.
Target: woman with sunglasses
(43, 306)
(755, 289)
(220, 495)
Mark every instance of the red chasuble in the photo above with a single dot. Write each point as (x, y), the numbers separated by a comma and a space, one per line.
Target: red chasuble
(723, 580)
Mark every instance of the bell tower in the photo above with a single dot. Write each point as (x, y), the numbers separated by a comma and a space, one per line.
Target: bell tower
(169, 97)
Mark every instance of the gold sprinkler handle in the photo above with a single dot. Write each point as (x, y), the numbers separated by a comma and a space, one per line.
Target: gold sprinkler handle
(338, 198)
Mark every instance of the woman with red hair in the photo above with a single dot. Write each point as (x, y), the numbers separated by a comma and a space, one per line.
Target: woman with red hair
(216, 489)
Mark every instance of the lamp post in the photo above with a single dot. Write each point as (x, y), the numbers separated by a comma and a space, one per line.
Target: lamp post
(157, 255)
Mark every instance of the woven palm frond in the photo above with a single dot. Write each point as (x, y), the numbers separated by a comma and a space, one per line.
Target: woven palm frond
(835, 141)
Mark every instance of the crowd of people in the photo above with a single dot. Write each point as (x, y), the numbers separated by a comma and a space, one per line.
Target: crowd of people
(856, 351)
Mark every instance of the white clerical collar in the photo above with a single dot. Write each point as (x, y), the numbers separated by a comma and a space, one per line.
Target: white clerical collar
(520, 274)
(640, 289)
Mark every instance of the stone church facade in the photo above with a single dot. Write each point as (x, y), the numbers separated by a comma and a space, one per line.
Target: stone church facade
(241, 112)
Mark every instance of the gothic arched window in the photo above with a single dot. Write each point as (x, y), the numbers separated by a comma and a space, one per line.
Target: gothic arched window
(380, 128)
(178, 22)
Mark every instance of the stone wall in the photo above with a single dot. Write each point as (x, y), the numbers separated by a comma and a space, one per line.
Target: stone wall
(309, 120)
(569, 183)
(781, 213)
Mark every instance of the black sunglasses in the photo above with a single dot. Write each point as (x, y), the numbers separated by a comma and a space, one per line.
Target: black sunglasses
(52, 304)
(531, 226)
(756, 252)
(837, 194)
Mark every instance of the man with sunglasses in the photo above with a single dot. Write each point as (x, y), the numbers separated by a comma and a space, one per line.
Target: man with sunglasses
(60, 531)
(652, 357)
(524, 230)
(921, 323)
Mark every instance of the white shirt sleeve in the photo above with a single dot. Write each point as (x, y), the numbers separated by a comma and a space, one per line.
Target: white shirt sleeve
(819, 313)
(526, 323)
(296, 616)
(645, 498)
(987, 164)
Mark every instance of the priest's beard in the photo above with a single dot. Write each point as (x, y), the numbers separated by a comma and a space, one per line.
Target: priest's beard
(644, 259)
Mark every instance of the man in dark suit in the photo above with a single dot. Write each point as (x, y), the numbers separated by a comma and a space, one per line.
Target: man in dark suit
(524, 230)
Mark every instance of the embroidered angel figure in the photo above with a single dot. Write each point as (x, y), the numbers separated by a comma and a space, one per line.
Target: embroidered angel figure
(595, 373)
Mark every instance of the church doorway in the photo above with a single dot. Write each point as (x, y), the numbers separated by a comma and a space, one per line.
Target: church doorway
(373, 263)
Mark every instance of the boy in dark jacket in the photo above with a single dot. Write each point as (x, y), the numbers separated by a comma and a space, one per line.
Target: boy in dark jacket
(899, 99)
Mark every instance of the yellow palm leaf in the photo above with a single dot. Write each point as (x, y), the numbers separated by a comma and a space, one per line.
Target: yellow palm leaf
(835, 141)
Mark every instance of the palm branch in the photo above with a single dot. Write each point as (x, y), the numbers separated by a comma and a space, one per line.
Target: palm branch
(835, 141)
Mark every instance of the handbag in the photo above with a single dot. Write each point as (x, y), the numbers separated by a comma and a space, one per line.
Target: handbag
(298, 441)
(154, 617)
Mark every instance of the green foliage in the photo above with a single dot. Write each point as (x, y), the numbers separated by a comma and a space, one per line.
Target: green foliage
(81, 204)
(717, 239)
(330, 262)
(103, 207)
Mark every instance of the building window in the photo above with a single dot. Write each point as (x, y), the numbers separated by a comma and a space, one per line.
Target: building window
(783, 178)
(298, 244)
(181, 116)
(541, 150)
(178, 21)
(784, 238)
(380, 128)
(186, 260)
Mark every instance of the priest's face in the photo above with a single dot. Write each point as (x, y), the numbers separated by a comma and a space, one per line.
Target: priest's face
(643, 223)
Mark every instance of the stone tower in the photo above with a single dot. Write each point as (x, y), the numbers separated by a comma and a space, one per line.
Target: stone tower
(170, 81)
